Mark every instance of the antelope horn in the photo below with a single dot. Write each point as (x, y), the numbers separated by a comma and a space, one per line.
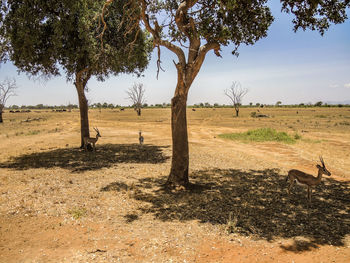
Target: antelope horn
(321, 159)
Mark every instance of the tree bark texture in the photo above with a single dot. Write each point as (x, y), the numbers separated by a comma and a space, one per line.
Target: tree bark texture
(80, 83)
(180, 157)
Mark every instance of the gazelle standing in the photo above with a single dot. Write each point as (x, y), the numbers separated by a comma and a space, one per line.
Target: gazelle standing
(307, 179)
(141, 139)
(92, 140)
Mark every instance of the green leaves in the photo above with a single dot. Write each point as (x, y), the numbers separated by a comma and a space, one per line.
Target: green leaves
(316, 14)
(45, 35)
(242, 21)
(223, 22)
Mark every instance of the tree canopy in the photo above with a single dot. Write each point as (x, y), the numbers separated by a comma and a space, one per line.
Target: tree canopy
(316, 14)
(47, 34)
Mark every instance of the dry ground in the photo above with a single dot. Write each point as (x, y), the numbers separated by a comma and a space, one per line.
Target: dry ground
(61, 204)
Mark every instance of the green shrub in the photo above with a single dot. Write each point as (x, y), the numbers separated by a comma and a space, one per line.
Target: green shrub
(261, 135)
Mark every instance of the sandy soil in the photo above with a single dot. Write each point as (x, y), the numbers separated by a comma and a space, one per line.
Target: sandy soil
(61, 204)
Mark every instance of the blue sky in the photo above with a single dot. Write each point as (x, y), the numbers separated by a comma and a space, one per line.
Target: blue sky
(285, 66)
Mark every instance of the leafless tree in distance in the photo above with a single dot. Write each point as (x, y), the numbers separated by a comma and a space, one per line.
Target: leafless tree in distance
(136, 94)
(236, 93)
(7, 89)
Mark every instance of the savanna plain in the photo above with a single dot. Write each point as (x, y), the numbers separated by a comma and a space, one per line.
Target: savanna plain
(59, 203)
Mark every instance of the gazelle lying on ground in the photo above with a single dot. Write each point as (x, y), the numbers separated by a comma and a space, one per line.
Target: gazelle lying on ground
(140, 138)
(92, 140)
(307, 179)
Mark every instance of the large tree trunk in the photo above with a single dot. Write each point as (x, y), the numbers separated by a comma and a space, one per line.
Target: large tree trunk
(1, 121)
(237, 111)
(180, 159)
(80, 83)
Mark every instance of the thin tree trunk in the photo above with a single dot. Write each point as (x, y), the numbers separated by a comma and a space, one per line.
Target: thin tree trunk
(180, 158)
(1, 121)
(237, 112)
(83, 107)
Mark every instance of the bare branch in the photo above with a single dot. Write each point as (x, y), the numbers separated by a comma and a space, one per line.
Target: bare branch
(7, 90)
(235, 94)
(136, 94)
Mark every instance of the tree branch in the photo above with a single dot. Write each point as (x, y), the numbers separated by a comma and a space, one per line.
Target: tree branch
(187, 26)
(156, 35)
(203, 50)
(7, 90)
(104, 9)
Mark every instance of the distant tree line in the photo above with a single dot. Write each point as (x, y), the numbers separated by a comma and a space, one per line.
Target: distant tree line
(106, 105)
(261, 105)
(43, 107)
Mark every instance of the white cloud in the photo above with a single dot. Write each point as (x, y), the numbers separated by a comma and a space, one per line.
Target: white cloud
(334, 86)
(347, 85)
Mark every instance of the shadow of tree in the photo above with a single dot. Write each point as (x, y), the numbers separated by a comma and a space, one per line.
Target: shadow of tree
(259, 202)
(300, 246)
(78, 160)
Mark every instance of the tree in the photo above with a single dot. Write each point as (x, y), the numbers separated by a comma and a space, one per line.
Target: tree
(136, 95)
(191, 23)
(192, 28)
(48, 36)
(318, 104)
(236, 93)
(278, 103)
(7, 89)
